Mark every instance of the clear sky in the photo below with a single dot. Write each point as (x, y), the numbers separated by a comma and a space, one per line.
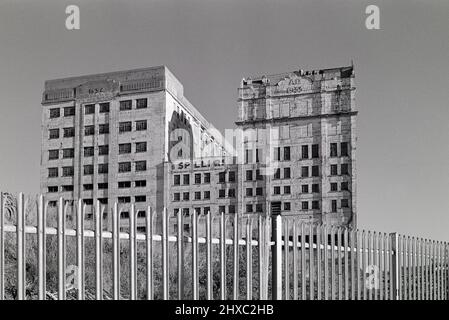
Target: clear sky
(401, 72)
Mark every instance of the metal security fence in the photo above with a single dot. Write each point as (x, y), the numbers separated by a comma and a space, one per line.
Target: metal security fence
(218, 257)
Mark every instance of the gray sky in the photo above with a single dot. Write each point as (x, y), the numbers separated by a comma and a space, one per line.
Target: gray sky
(401, 76)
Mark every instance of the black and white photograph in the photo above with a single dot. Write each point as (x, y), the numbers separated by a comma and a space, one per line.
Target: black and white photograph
(234, 152)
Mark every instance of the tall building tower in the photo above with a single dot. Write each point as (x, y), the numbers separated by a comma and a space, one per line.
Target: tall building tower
(107, 137)
(306, 121)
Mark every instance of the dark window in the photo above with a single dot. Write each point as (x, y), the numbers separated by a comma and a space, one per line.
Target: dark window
(52, 203)
(305, 152)
(124, 148)
(69, 132)
(124, 215)
(286, 173)
(88, 202)
(334, 151)
(277, 154)
(344, 186)
(53, 154)
(287, 206)
(104, 107)
(124, 199)
(103, 128)
(88, 151)
(259, 191)
(176, 196)
(103, 201)
(141, 125)
(102, 186)
(315, 151)
(186, 179)
(53, 189)
(221, 209)
(141, 214)
(304, 172)
(141, 183)
(176, 179)
(249, 208)
(53, 133)
(67, 188)
(55, 113)
(67, 171)
(277, 174)
(103, 150)
(69, 111)
(197, 195)
(103, 168)
(334, 206)
(141, 147)
(89, 130)
(68, 153)
(277, 190)
(287, 153)
(305, 188)
(206, 210)
(197, 178)
(334, 170)
(221, 177)
(207, 177)
(141, 165)
(344, 168)
(344, 203)
(124, 167)
(258, 175)
(248, 155)
(89, 109)
(231, 209)
(125, 127)
(344, 149)
(305, 205)
(221, 193)
(88, 169)
(141, 103)
(185, 196)
(231, 177)
(259, 207)
(206, 194)
(231, 193)
(140, 198)
(126, 105)
(334, 186)
(315, 204)
(315, 171)
(249, 192)
(124, 184)
(87, 187)
(287, 190)
(315, 188)
(249, 175)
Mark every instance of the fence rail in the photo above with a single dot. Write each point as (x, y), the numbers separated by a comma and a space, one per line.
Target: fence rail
(220, 257)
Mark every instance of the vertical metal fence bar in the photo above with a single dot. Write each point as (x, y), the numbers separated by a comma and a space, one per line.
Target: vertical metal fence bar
(303, 262)
(425, 278)
(223, 256)
(295, 260)
(357, 265)
(260, 254)
(395, 255)
(115, 252)
(80, 249)
(318, 261)
(2, 246)
(277, 258)
(414, 268)
(332, 280)
(364, 262)
(421, 270)
(195, 255)
(286, 252)
(404, 268)
(209, 255)
(98, 253)
(346, 267)
(340, 269)
(249, 261)
(353, 253)
(235, 287)
(41, 248)
(386, 264)
(400, 266)
(21, 248)
(61, 251)
(375, 264)
(434, 268)
(132, 254)
(381, 249)
(180, 255)
(149, 250)
(326, 264)
(311, 264)
(438, 281)
(165, 271)
(370, 263)
(409, 268)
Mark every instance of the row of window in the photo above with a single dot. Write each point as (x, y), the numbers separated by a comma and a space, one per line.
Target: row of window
(197, 196)
(102, 169)
(126, 126)
(103, 108)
